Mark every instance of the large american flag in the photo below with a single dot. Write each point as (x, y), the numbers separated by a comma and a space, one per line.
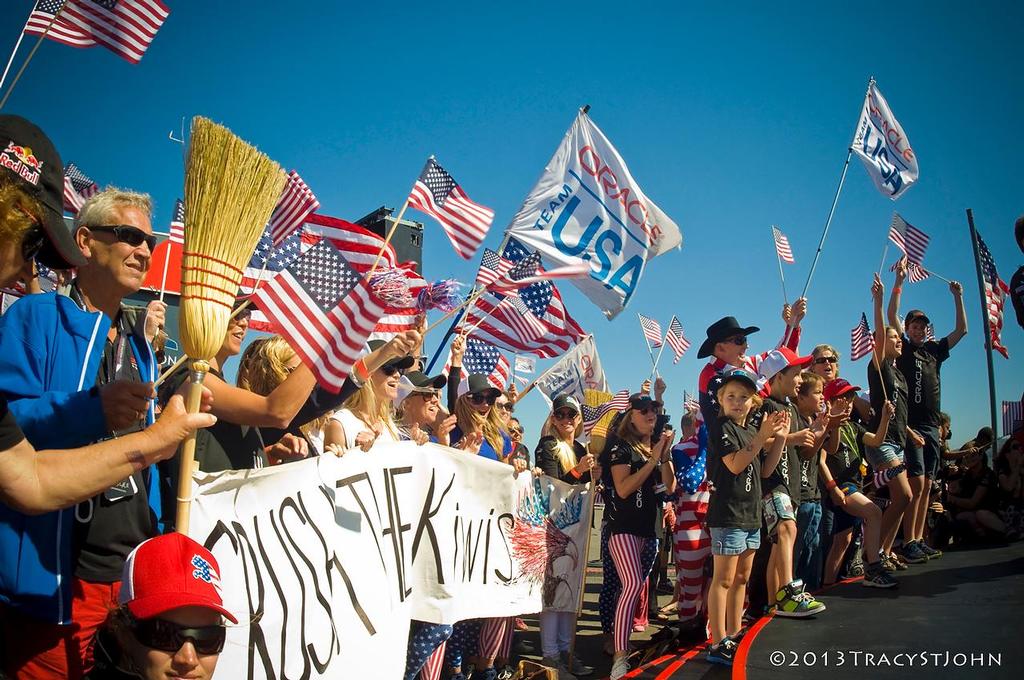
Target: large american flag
(266, 263)
(325, 309)
(592, 414)
(78, 187)
(125, 27)
(782, 246)
(908, 238)
(862, 341)
(482, 357)
(652, 331)
(1013, 417)
(676, 339)
(995, 295)
(494, 324)
(440, 196)
(293, 207)
(177, 233)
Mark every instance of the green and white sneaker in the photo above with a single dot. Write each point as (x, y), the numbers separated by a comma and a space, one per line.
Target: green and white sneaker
(929, 551)
(793, 602)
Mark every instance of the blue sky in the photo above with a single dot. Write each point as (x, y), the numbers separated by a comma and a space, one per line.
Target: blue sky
(730, 119)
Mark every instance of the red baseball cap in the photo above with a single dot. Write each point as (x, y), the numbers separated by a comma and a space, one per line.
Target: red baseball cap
(779, 360)
(838, 387)
(168, 572)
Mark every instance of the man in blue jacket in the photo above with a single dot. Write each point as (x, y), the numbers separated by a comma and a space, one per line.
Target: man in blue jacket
(75, 372)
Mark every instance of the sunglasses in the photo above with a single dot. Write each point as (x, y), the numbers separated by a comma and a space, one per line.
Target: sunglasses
(516, 432)
(564, 414)
(168, 636)
(507, 406)
(645, 405)
(826, 360)
(737, 340)
(482, 398)
(32, 243)
(126, 233)
(428, 394)
(391, 369)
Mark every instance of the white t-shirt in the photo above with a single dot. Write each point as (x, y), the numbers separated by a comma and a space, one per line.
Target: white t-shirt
(353, 425)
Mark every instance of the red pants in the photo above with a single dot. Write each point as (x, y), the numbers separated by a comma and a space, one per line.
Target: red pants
(35, 650)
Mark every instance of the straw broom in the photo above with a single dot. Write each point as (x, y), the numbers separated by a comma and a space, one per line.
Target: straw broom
(230, 191)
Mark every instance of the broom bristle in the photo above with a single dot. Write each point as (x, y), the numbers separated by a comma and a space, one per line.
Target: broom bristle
(230, 191)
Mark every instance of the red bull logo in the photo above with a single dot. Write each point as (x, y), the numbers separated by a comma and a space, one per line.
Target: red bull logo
(21, 161)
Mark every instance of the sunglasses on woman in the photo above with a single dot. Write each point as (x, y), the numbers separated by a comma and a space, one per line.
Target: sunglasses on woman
(126, 233)
(826, 360)
(565, 414)
(645, 405)
(168, 636)
(507, 406)
(390, 370)
(427, 395)
(478, 399)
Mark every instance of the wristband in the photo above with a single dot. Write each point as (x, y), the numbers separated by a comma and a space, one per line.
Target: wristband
(359, 368)
(575, 473)
(898, 290)
(830, 484)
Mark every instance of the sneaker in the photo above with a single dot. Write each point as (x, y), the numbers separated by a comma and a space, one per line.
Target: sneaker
(619, 669)
(912, 554)
(520, 624)
(722, 653)
(898, 562)
(929, 551)
(639, 628)
(876, 577)
(556, 664)
(506, 672)
(578, 668)
(887, 565)
(793, 602)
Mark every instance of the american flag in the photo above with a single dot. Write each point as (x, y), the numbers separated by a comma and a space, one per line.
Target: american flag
(325, 309)
(862, 342)
(908, 238)
(652, 331)
(1013, 417)
(266, 263)
(482, 357)
(689, 403)
(516, 280)
(492, 267)
(929, 333)
(125, 27)
(915, 272)
(593, 414)
(676, 339)
(440, 196)
(782, 246)
(542, 299)
(177, 234)
(995, 295)
(293, 207)
(78, 187)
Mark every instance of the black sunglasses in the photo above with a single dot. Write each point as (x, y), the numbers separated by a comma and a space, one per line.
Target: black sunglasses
(428, 394)
(168, 636)
(391, 369)
(565, 414)
(826, 360)
(126, 233)
(481, 398)
(645, 405)
(737, 340)
(508, 406)
(32, 243)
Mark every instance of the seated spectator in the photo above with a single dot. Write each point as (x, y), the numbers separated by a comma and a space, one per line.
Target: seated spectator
(973, 499)
(1009, 469)
(170, 621)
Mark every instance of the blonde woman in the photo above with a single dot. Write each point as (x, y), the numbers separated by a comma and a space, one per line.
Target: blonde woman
(559, 455)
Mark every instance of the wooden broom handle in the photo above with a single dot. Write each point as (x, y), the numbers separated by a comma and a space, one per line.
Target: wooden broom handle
(188, 449)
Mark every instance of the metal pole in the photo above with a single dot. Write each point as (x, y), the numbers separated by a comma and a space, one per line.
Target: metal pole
(988, 329)
(31, 54)
(17, 45)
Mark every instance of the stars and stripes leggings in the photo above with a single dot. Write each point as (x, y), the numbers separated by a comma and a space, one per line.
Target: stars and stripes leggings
(489, 638)
(633, 557)
(426, 650)
(692, 546)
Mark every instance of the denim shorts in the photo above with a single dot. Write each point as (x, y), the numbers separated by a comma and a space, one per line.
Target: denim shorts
(730, 541)
(923, 460)
(883, 456)
(776, 508)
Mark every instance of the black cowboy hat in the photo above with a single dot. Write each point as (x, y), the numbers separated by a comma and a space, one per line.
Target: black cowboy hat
(480, 384)
(726, 327)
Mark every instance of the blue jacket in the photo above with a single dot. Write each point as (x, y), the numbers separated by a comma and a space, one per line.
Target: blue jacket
(50, 352)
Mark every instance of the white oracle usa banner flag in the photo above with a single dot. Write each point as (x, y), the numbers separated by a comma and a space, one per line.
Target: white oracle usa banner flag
(578, 370)
(587, 207)
(326, 561)
(883, 146)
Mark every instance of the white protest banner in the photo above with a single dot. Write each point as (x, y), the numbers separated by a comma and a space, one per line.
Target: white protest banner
(587, 207)
(883, 146)
(325, 561)
(525, 364)
(579, 369)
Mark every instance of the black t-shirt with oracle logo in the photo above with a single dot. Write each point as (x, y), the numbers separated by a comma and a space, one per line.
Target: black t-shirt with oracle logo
(896, 391)
(920, 366)
(736, 500)
(10, 433)
(640, 514)
(809, 491)
(786, 476)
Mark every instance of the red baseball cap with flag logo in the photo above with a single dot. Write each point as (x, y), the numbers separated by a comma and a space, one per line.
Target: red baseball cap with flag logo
(838, 387)
(168, 572)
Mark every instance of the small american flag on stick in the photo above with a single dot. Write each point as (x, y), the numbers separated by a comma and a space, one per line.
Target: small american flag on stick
(652, 331)
(125, 27)
(908, 238)
(676, 339)
(441, 197)
(492, 267)
(78, 187)
(293, 207)
(177, 233)
(593, 414)
(782, 246)
(915, 272)
(485, 358)
(325, 309)
(1013, 417)
(862, 342)
(995, 296)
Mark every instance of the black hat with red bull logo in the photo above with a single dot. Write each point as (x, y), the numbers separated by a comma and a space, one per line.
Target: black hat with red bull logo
(27, 157)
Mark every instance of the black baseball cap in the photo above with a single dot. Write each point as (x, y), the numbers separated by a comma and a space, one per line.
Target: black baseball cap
(399, 362)
(916, 315)
(28, 157)
(565, 401)
(479, 383)
(422, 381)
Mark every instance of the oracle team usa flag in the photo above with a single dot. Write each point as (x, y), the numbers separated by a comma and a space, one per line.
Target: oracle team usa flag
(883, 146)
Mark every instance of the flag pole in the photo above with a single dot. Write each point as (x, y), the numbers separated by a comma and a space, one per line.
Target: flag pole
(658, 360)
(391, 231)
(17, 46)
(782, 276)
(167, 259)
(184, 161)
(988, 327)
(31, 54)
(585, 558)
(649, 350)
